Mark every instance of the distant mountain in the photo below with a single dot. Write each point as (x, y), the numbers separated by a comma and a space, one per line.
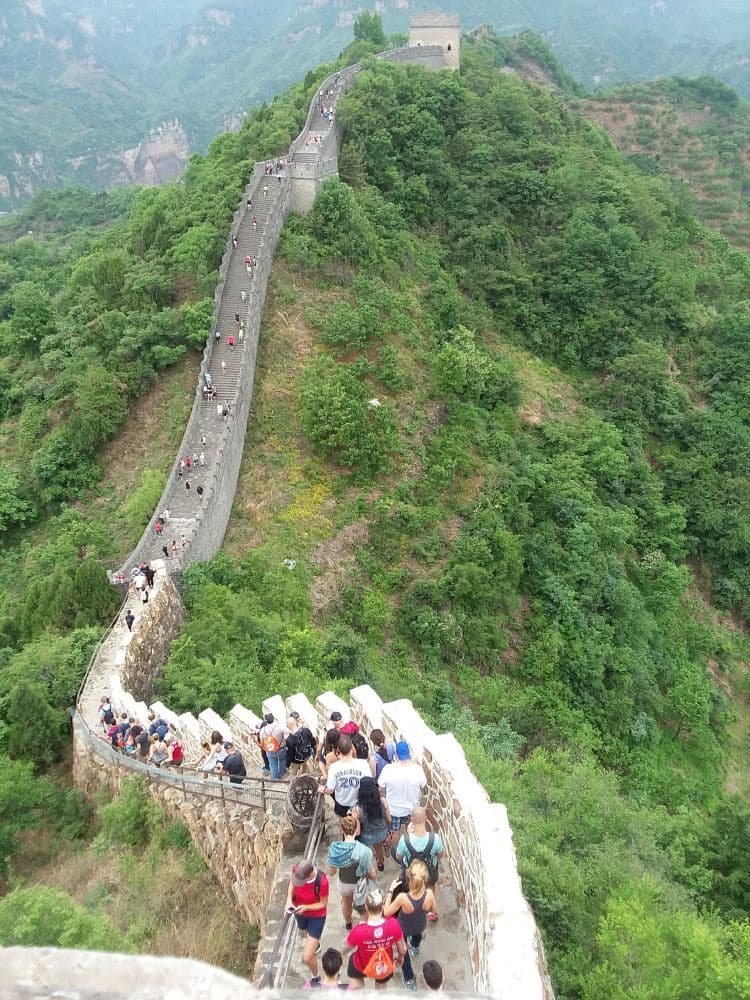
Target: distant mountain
(606, 42)
(116, 91)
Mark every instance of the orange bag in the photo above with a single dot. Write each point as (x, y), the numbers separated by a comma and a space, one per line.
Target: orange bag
(270, 744)
(380, 964)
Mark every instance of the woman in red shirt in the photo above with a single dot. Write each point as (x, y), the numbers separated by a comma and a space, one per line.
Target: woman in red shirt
(376, 932)
(307, 899)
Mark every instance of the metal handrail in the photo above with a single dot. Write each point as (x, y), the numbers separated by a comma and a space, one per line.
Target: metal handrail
(287, 923)
(252, 792)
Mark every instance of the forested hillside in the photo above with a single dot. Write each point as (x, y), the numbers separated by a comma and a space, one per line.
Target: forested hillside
(695, 130)
(501, 424)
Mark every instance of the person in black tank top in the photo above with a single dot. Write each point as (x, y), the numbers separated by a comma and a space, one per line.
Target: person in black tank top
(411, 908)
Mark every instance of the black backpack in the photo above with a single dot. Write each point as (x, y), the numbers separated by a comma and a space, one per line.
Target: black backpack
(425, 855)
(109, 716)
(303, 747)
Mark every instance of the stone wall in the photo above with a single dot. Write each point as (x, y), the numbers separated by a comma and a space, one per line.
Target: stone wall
(241, 845)
(431, 56)
(507, 954)
(148, 647)
(41, 973)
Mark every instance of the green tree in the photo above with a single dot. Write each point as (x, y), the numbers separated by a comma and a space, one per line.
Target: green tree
(368, 27)
(338, 221)
(15, 509)
(31, 320)
(338, 419)
(21, 795)
(98, 409)
(142, 501)
(44, 916)
(648, 951)
(131, 818)
(96, 600)
(35, 730)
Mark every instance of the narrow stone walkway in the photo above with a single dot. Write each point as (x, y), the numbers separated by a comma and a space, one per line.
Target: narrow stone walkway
(445, 941)
(208, 433)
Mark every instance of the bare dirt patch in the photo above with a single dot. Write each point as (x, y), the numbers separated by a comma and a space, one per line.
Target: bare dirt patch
(335, 557)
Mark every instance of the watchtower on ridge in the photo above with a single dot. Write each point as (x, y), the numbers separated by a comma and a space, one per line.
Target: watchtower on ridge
(436, 28)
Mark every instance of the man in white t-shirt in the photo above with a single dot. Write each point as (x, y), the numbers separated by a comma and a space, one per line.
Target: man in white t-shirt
(401, 784)
(344, 776)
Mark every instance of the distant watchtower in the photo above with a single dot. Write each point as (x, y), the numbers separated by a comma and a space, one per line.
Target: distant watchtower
(436, 28)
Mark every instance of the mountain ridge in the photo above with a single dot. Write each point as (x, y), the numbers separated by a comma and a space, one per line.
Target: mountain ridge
(134, 67)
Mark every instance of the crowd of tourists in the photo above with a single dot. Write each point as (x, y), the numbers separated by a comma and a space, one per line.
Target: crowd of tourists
(377, 790)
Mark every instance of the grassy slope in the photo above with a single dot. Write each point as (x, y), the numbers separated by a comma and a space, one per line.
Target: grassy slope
(162, 898)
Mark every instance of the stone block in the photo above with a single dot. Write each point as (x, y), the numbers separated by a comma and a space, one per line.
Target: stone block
(366, 708)
(141, 712)
(210, 721)
(190, 734)
(329, 702)
(160, 710)
(275, 705)
(402, 722)
(307, 712)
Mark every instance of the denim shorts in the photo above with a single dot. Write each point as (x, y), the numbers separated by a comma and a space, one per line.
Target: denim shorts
(313, 925)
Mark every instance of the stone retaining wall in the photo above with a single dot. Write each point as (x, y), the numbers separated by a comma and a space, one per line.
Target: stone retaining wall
(241, 845)
(148, 647)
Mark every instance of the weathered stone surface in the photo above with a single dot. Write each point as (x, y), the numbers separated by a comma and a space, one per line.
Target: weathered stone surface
(241, 845)
(36, 973)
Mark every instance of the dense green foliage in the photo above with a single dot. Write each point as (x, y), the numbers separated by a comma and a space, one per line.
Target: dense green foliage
(583, 266)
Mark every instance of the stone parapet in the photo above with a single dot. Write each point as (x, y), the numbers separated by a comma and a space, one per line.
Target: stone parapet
(507, 954)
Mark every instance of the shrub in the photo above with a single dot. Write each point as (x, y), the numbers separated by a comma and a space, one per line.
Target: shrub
(143, 500)
(338, 420)
(43, 916)
(131, 818)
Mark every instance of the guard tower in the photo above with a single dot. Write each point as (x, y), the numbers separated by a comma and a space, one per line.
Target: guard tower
(436, 28)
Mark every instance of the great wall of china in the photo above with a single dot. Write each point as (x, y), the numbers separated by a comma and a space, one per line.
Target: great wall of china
(242, 831)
